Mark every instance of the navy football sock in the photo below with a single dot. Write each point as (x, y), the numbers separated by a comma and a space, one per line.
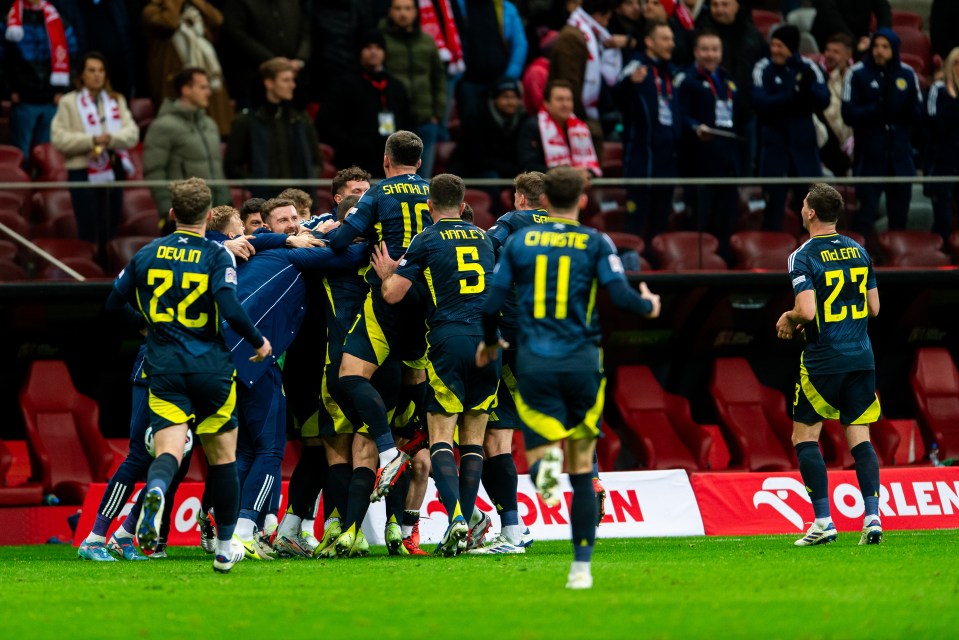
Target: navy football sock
(358, 498)
(336, 491)
(421, 398)
(500, 480)
(223, 486)
(867, 472)
(812, 468)
(471, 472)
(161, 472)
(595, 464)
(410, 518)
(583, 514)
(367, 402)
(309, 477)
(130, 525)
(445, 477)
(396, 500)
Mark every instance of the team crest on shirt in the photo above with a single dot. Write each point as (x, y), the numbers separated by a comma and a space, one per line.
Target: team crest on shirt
(732, 85)
(901, 84)
(230, 275)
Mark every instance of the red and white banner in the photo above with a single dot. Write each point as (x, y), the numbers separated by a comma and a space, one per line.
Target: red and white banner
(768, 503)
(638, 504)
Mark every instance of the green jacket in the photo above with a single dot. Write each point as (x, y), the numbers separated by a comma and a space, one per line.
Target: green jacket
(182, 143)
(412, 58)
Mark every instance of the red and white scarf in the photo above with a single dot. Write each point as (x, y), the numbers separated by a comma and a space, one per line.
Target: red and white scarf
(678, 9)
(577, 152)
(602, 64)
(99, 168)
(447, 37)
(59, 53)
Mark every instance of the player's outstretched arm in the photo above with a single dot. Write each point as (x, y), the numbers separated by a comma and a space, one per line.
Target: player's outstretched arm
(394, 287)
(240, 247)
(239, 321)
(643, 303)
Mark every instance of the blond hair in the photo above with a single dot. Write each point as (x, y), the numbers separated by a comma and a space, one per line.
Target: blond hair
(220, 218)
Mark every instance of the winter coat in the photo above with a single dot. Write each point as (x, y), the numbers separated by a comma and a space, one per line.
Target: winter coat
(181, 143)
(70, 137)
(413, 59)
(649, 146)
(697, 94)
(942, 120)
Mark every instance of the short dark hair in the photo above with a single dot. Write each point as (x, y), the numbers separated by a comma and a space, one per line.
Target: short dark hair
(350, 174)
(301, 199)
(705, 33)
(447, 191)
(598, 6)
(652, 25)
(191, 200)
(555, 84)
(275, 203)
(531, 184)
(184, 77)
(563, 187)
(467, 214)
(404, 148)
(347, 203)
(841, 38)
(273, 67)
(825, 201)
(251, 206)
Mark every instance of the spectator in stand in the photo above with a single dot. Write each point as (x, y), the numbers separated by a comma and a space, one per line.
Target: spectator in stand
(787, 90)
(680, 20)
(494, 45)
(852, 17)
(488, 147)
(259, 31)
(38, 45)
(587, 57)
(276, 140)
(337, 26)
(413, 59)
(93, 128)
(943, 18)
(743, 45)
(104, 26)
(556, 137)
(627, 21)
(180, 34)
(837, 152)
(364, 109)
(183, 141)
(651, 130)
(438, 21)
(251, 215)
(942, 152)
(881, 101)
(709, 100)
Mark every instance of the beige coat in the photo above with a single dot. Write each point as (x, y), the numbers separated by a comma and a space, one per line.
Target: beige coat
(70, 138)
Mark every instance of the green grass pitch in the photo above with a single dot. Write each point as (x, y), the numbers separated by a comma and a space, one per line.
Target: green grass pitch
(748, 587)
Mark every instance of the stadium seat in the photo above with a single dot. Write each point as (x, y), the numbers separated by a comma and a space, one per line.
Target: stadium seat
(753, 416)
(238, 196)
(627, 241)
(481, 203)
(935, 387)
(324, 202)
(902, 248)
(138, 200)
(608, 448)
(145, 223)
(136, 157)
(687, 251)
(954, 245)
(15, 222)
(47, 163)
(918, 65)
(84, 266)
(907, 19)
(10, 271)
(852, 235)
(66, 248)
(914, 42)
(10, 156)
(329, 171)
(67, 451)
(660, 422)
(142, 110)
(611, 161)
(609, 201)
(54, 214)
(534, 82)
(19, 495)
(9, 173)
(762, 249)
(8, 250)
(444, 151)
(121, 250)
(765, 21)
(329, 153)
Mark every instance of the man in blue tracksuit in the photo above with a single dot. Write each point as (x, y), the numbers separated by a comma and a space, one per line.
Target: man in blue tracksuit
(787, 90)
(651, 129)
(880, 101)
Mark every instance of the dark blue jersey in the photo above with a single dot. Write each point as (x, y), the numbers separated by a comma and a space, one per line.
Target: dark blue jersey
(393, 211)
(839, 272)
(174, 281)
(345, 294)
(454, 258)
(557, 267)
(507, 224)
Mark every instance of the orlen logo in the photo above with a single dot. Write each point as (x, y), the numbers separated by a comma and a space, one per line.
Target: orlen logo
(621, 507)
(774, 493)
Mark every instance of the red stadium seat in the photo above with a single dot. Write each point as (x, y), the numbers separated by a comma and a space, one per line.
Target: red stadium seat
(238, 196)
(47, 163)
(329, 153)
(55, 217)
(856, 237)
(935, 387)
(10, 173)
(762, 249)
(136, 157)
(26, 494)
(142, 110)
(11, 156)
(608, 448)
(15, 222)
(8, 250)
(908, 248)
(914, 42)
(84, 266)
(481, 203)
(918, 65)
(67, 248)
(627, 241)
(753, 416)
(908, 19)
(534, 82)
(145, 223)
(121, 250)
(765, 21)
(444, 151)
(687, 251)
(10, 271)
(67, 451)
(611, 161)
(138, 200)
(666, 435)
(324, 202)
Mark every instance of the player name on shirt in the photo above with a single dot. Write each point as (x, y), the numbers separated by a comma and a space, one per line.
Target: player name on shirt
(178, 254)
(567, 239)
(843, 253)
(406, 187)
(462, 234)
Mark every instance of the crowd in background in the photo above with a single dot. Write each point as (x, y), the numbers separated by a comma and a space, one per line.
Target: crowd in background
(690, 88)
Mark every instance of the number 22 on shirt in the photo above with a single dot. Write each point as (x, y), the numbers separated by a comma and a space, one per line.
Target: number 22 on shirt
(162, 281)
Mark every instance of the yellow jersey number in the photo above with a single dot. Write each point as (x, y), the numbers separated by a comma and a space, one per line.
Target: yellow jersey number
(540, 276)
(162, 281)
(472, 253)
(837, 279)
(413, 222)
